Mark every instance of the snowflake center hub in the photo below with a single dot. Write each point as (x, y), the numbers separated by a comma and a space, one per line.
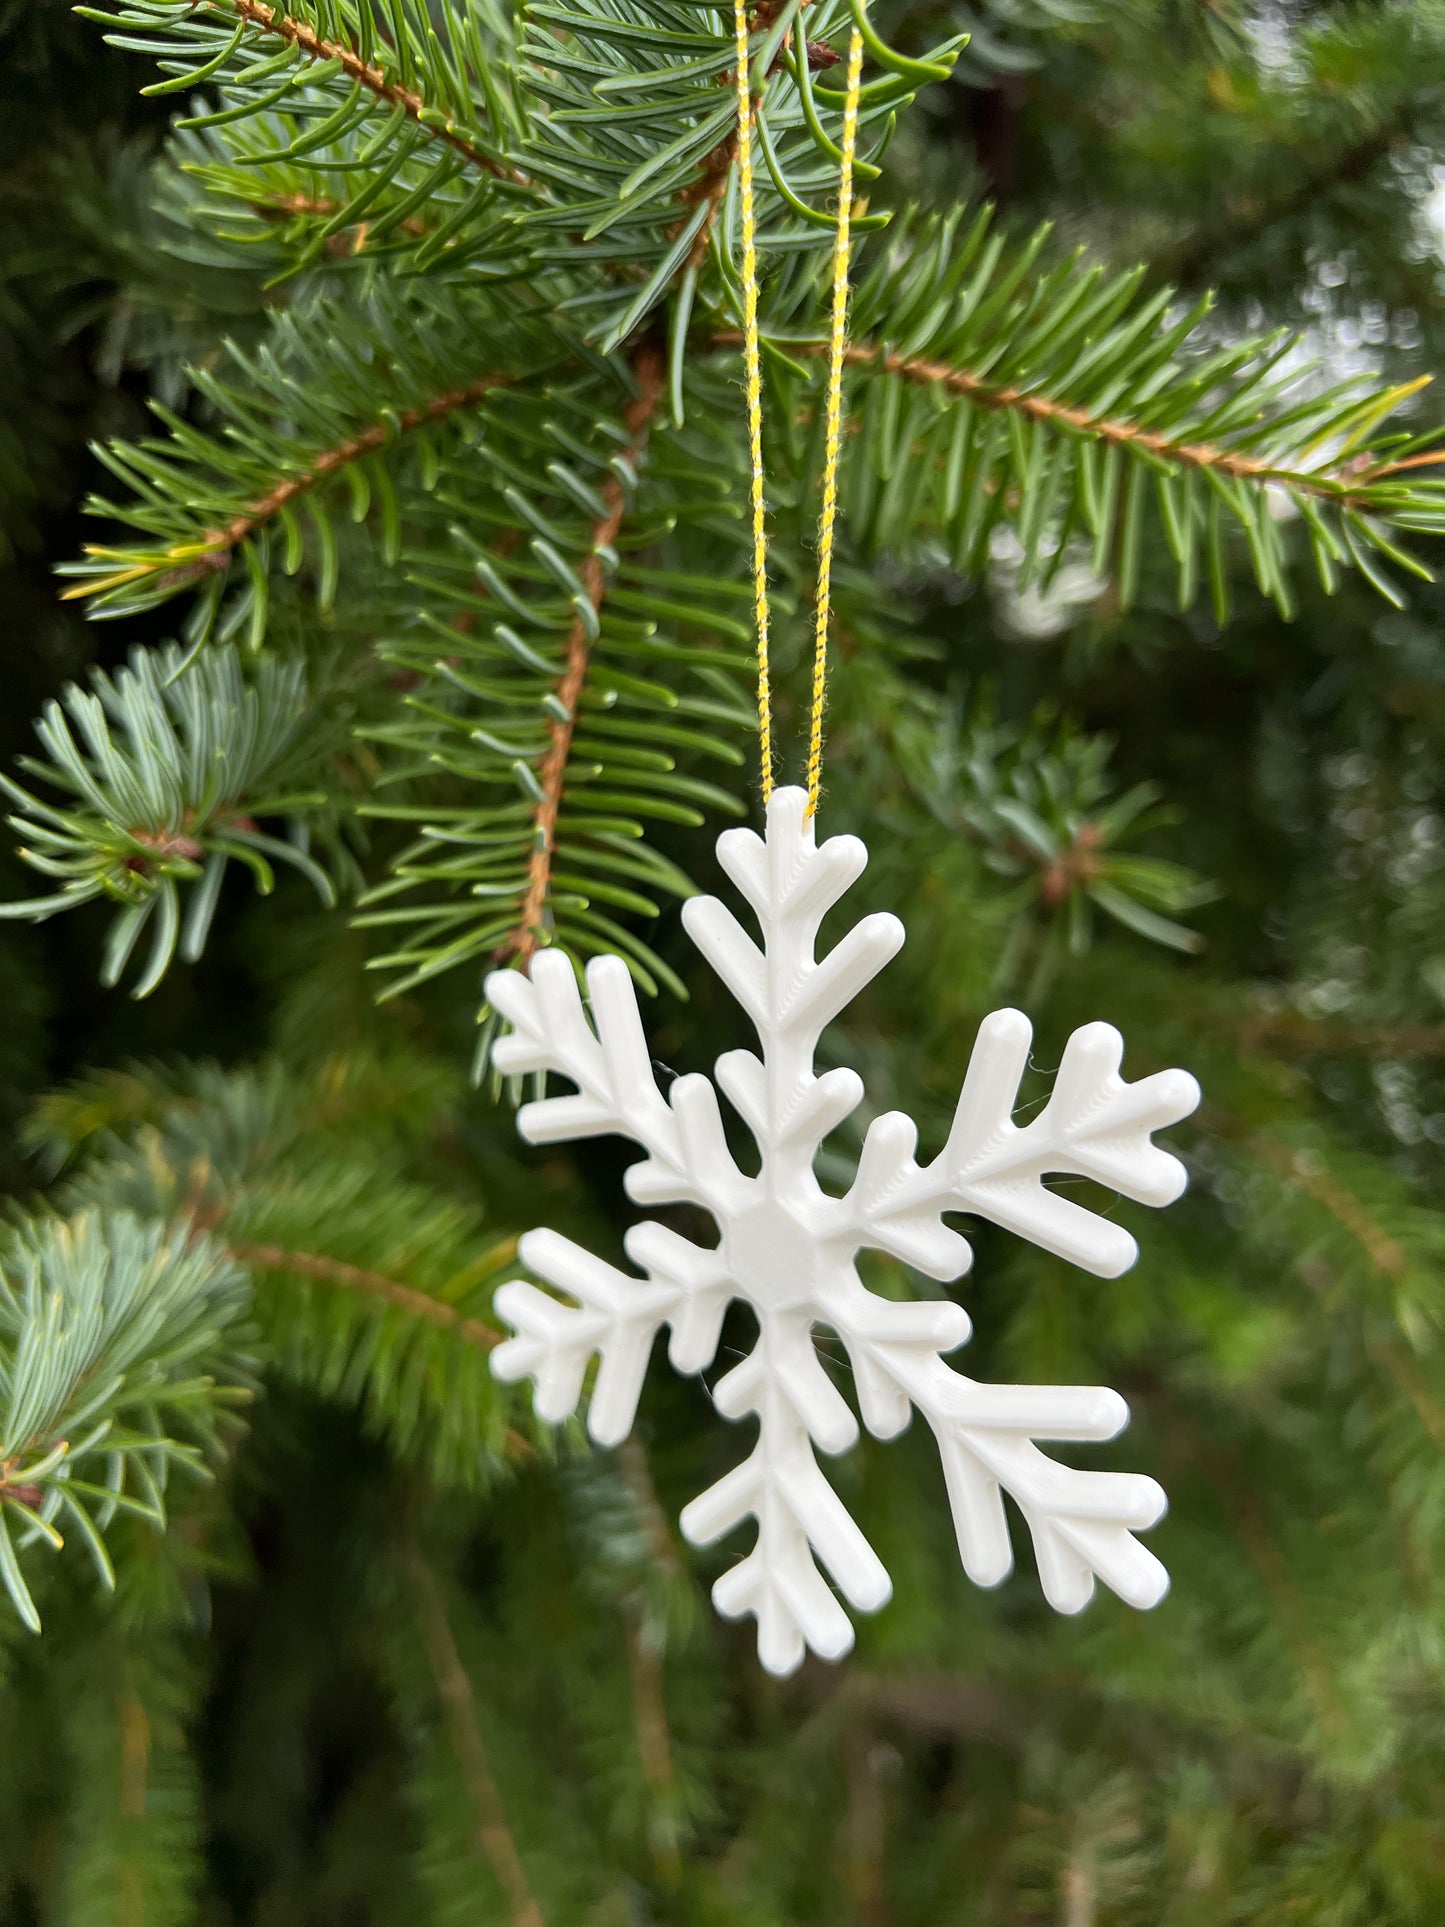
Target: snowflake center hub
(773, 1255)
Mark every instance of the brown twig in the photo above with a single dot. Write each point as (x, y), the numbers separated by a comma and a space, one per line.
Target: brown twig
(711, 183)
(649, 1704)
(333, 1271)
(271, 20)
(524, 940)
(1309, 1173)
(459, 1703)
(135, 1754)
(1104, 428)
(222, 542)
(320, 207)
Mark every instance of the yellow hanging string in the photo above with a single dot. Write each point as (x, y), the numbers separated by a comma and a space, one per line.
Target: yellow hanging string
(752, 371)
(833, 420)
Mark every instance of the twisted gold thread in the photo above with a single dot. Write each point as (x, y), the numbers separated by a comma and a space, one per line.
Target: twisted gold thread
(833, 420)
(752, 371)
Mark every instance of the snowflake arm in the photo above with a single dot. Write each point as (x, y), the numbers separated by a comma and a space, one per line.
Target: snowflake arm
(1094, 1125)
(1082, 1523)
(789, 1250)
(608, 1060)
(798, 1514)
(616, 1318)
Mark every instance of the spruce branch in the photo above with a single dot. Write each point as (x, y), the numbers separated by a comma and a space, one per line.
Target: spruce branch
(563, 683)
(1301, 151)
(530, 931)
(388, 91)
(365, 1287)
(1348, 488)
(131, 1811)
(367, 60)
(1307, 1170)
(118, 1364)
(326, 1270)
(464, 1727)
(164, 772)
(1073, 407)
(636, 146)
(337, 398)
(1039, 803)
(330, 461)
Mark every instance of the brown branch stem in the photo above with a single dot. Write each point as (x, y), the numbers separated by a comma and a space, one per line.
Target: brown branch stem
(459, 1703)
(525, 939)
(1311, 1176)
(241, 527)
(374, 1284)
(320, 207)
(1105, 428)
(300, 34)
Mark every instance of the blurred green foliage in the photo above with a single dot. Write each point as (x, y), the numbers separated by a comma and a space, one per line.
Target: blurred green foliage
(404, 1655)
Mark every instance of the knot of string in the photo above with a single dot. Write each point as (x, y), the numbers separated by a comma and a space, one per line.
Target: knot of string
(833, 406)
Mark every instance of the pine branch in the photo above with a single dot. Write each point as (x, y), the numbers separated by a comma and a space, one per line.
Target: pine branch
(454, 1689)
(654, 1746)
(117, 1365)
(1309, 1172)
(330, 461)
(340, 394)
(522, 942)
(1040, 805)
(164, 771)
(645, 1648)
(1347, 488)
(564, 682)
(1299, 148)
(366, 1288)
(1400, 1245)
(302, 35)
(1066, 404)
(322, 207)
(369, 61)
(132, 1801)
(333, 1271)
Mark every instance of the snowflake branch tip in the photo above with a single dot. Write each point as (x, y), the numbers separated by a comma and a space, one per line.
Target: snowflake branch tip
(790, 872)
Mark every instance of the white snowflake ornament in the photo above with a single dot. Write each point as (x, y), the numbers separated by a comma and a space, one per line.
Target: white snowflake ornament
(788, 1249)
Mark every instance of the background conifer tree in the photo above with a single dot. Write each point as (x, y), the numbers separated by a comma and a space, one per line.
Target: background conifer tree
(406, 337)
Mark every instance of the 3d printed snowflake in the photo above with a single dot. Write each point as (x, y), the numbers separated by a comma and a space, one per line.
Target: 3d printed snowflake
(787, 1248)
